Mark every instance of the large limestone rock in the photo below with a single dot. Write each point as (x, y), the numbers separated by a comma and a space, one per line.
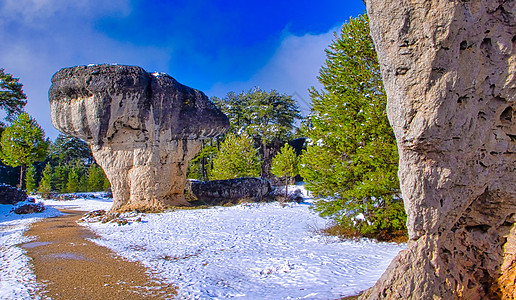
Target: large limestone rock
(449, 69)
(143, 129)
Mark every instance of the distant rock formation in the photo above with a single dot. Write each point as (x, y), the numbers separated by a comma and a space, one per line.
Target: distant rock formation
(449, 69)
(230, 190)
(143, 129)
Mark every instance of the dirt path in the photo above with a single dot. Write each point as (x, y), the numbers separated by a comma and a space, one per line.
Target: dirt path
(71, 267)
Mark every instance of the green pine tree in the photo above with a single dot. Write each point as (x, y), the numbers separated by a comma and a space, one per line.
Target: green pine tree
(45, 185)
(268, 117)
(200, 165)
(106, 185)
(95, 178)
(72, 185)
(12, 98)
(83, 183)
(285, 164)
(23, 143)
(237, 158)
(30, 180)
(60, 178)
(352, 156)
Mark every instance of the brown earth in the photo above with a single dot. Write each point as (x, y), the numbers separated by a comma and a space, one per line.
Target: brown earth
(69, 266)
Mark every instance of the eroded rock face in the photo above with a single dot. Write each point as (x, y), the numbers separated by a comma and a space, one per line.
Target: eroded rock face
(449, 72)
(231, 190)
(11, 195)
(143, 128)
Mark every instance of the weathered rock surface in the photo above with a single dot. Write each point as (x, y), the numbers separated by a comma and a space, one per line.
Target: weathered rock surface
(29, 208)
(449, 69)
(143, 128)
(11, 195)
(231, 190)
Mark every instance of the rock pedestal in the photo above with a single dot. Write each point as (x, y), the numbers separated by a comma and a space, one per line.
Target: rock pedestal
(143, 129)
(449, 70)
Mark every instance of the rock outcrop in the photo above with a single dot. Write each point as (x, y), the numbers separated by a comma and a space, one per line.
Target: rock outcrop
(231, 190)
(143, 129)
(449, 69)
(11, 195)
(29, 208)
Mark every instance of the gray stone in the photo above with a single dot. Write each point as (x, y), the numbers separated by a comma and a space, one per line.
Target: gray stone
(231, 190)
(143, 129)
(449, 70)
(11, 195)
(29, 209)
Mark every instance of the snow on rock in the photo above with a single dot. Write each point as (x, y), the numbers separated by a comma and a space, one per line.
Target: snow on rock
(17, 280)
(251, 251)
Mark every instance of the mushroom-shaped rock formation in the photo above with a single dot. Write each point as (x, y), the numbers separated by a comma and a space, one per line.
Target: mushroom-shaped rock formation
(449, 69)
(143, 129)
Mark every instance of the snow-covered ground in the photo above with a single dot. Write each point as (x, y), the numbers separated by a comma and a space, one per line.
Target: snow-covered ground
(248, 251)
(16, 277)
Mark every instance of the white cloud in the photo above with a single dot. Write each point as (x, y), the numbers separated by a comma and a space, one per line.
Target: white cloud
(33, 12)
(47, 35)
(292, 70)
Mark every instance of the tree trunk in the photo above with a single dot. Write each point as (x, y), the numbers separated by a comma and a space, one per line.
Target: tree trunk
(21, 176)
(264, 159)
(286, 188)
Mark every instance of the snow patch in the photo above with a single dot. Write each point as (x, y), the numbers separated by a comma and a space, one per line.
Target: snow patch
(254, 251)
(17, 280)
(251, 251)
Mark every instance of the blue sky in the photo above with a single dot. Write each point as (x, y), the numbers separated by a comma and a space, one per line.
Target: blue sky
(214, 46)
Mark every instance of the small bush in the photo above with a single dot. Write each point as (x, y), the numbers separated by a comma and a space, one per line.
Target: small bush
(353, 233)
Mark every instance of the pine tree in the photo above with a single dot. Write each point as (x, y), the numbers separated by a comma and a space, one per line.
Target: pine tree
(268, 117)
(352, 156)
(72, 185)
(200, 165)
(237, 158)
(106, 184)
(23, 143)
(83, 183)
(30, 180)
(68, 150)
(45, 185)
(285, 164)
(60, 178)
(12, 98)
(95, 178)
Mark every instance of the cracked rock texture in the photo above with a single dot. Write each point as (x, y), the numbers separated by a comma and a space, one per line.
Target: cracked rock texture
(143, 129)
(449, 72)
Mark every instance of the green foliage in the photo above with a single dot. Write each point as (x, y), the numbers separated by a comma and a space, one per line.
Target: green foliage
(201, 164)
(106, 185)
(67, 150)
(72, 185)
(237, 158)
(285, 163)
(23, 143)
(45, 185)
(265, 116)
(12, 98)
(95, 178)
(30, 180)
(68, 153)
(60, 178)
(83, 183)
(352, 157)
(268, 117)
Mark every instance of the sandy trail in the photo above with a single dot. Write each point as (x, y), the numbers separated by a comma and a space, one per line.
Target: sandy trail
(72, 267)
